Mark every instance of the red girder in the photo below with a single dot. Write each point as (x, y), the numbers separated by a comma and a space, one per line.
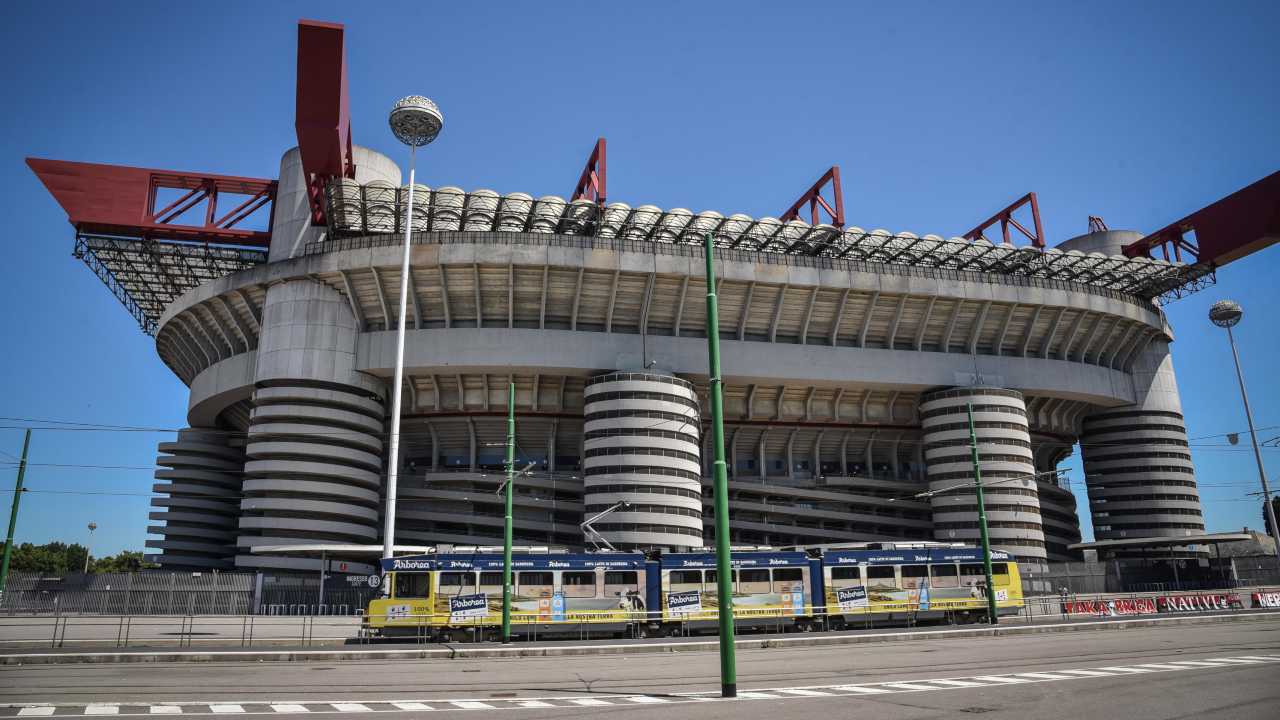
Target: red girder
(1005, 218)
(1239, 224)
(1097, 224)
(813, 196)
(591, 184)
(323, 110)
(118, 199)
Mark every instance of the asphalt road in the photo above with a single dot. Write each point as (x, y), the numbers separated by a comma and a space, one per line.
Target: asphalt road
(1226, 670)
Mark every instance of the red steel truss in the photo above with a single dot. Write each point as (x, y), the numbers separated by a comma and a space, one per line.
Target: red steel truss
(323, 110)
(1239, 224)
(1005, 218)
(591, 184)
(1097, 224)
(121, 200)
(813, 196)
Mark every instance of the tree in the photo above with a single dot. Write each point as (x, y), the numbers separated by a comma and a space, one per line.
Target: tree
(124, 561)
(58, 558)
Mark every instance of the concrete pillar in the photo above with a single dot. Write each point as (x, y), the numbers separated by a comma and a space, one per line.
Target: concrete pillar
(1004, 451)
(641, 446)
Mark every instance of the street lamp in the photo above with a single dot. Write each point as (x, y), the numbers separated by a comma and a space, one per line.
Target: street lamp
(415, 121)
(92, 526)
(1227, 314)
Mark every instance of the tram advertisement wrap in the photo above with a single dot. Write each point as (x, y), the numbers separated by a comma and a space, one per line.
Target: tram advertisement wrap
(684, 603)
(851, 598)
(890, 598)
(703, 605)
(550, 607)
(468, 607)
(1111, 608)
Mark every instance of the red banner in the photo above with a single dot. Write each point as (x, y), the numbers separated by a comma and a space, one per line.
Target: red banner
(1111, 608)
(1194, 603)
(1266, 599)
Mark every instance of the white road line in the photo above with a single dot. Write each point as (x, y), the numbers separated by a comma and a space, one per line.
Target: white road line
(1130, 669)
(651, 699)
(1196, 663)
(533, 704)
(909, 686)
(102, 709)
(861, 689)
(584, 701)
(413, 706)
(1009, 679)
(750, 695)
(958, 683)
(1266, 658)
(1044, 676)
(290, 708)
(1240, 661)
(226, 709)
(804, 692)
(1160, 666)
(34, 711)
(165, 710)
(350, 707)
(472, 705)
(1088, 673)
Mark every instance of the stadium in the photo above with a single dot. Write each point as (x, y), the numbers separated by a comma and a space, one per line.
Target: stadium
(850, 358)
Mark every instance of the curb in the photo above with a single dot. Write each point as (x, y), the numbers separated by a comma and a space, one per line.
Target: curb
(462, 653)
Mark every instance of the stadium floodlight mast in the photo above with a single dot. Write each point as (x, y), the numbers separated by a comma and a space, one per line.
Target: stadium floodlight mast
(1227, 314)
(415, 121)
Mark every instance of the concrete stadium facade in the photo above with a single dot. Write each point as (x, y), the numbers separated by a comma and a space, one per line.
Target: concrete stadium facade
(846, 385)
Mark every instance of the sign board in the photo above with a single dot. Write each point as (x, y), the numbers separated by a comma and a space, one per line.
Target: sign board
(468, 607)
(851, 598)
(1266, 599)
(684, 603)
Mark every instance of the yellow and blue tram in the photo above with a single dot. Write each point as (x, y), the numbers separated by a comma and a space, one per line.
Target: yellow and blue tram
(438, 594)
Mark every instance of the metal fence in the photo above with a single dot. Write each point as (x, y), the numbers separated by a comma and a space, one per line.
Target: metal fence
(142, 593)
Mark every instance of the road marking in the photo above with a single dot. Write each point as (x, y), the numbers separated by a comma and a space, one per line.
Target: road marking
(413, 706)
(102, 709)
(584, 701)
(1161, 666)
(805, 692)
(1239, 661)
(471, 705)
(1001, 679)
(32, 711)
(167, 710)
(651, 699)
(1128, 669)
(228, 709)
(533, 704)
(959, 683)
(1088, 673)
(290, 708)
(908, 686)
(1196, 663)
(753, 695)
(1044, 676)
(861, 689)
(350, 707)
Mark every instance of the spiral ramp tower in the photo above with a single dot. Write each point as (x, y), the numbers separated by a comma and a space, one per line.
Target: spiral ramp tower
(641, 446)
(1008, 470)
(200, 478)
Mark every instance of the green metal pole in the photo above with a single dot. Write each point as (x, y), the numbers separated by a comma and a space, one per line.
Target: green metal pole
(506, 523)
(724, 567)
(13, 514)
(982, 519)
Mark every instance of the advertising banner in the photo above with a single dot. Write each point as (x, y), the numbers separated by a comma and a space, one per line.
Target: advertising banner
(1194, 603)
(851, 598)
(1266, 599)
(1111, 608)
(468, 607)
(684, 603)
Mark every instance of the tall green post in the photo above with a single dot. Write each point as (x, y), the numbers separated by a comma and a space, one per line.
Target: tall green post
(982, 519)
(506, 522)
(720, 474)
(13, 514)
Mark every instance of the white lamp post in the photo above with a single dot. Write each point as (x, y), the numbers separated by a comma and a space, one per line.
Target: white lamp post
(415, 121)
(1227, 314)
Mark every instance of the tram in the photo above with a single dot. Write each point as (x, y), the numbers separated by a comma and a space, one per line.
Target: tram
(442, 595)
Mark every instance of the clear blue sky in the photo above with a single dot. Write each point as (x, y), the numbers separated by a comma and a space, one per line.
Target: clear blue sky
(937, 113)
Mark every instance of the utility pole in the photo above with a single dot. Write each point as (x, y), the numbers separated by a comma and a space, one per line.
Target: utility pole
(724, 565)
(506, 523)
(982, 518)
(13, 514)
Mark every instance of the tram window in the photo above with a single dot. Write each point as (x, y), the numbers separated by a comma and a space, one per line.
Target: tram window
(686, 580)
(944, 576)
(534, 584)
(491, 583)
(579, 584)
(620, 582)
(412, 585)
(999, 569)
(913, 576)
(847, 573)
(753, 582)
(787, 579)
(972, 574)
(457, 583)
(882, 573)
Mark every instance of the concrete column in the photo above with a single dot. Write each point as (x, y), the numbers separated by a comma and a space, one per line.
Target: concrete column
(642, 447)
(1004, 451)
